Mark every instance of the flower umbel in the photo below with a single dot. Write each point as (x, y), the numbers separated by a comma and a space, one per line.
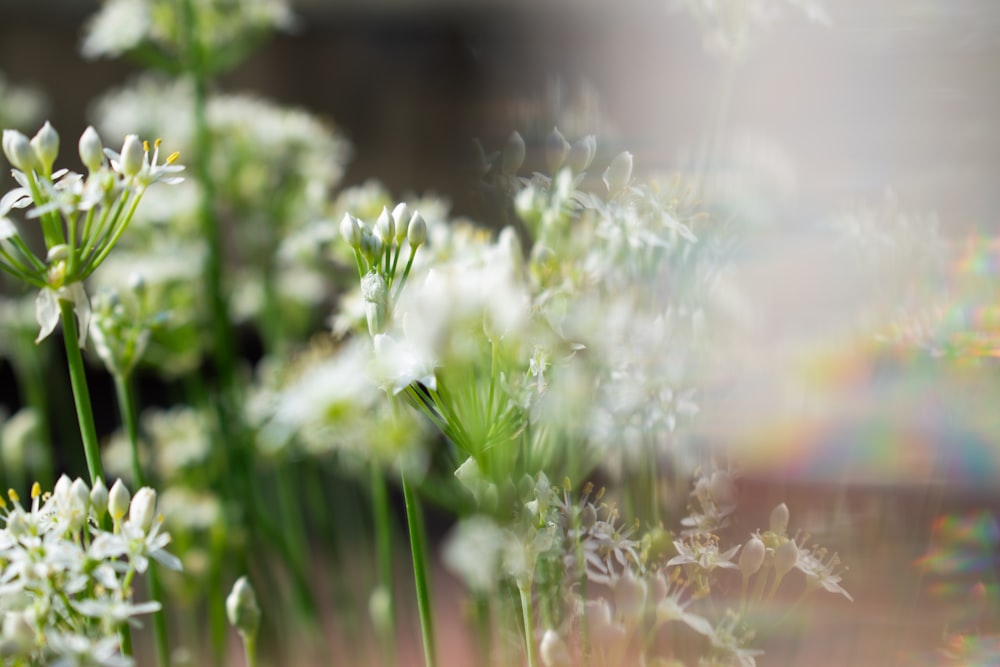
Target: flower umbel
(81, 217)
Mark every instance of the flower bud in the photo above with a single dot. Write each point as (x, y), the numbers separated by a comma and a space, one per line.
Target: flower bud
(118, 501)
(386, 226)
(779, 519)
(79, 493)
(554, 651)
(143, 508)
(582, 153)
(18, 150)
(380, 608)
(376, 295)
(619, 172)
(752, 557)
(513, 153)
(45, 143)
(91, 149)
(785, 558)
(401, 216)
(242, 609)
(350, 230)
(556, 149)
(417, 233)
(133, 156)
(57, 253)
(137, 284)
(99, 499)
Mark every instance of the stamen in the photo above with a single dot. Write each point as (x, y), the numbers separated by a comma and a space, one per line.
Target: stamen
(12, 494)
(173, 157)
(36, 490)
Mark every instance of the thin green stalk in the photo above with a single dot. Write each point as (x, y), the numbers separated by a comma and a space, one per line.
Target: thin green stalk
(418, 550)
(250, 650)
(527, 614)
(383, 550)
(81, 394)
(124, 392)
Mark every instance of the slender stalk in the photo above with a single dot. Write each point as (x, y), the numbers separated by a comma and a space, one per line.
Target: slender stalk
(527, 613)
(383, 550)
(81, 394)
(415, 522)
(125, 394)
(250, 650)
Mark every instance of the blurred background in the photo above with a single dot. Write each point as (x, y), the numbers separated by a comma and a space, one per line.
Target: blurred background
(886, 116)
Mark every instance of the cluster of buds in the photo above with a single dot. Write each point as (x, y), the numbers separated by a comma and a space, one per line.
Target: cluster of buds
(66, 579)
(377, 249)
(81, 217)
(121, 325)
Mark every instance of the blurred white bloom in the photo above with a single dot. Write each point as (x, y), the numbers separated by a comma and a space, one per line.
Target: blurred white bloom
(121, 25)
(473, 551)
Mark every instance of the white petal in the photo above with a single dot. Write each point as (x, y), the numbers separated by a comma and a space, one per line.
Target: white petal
(46, 312)
(81, 306)
(7, 229)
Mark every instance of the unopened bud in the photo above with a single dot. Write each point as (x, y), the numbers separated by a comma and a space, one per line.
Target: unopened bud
(46, 146)
(556, 149)
(582, 153)
(99, 499)
(376, 295)
(350, 230)
(619, 172)
(132, 156)
(417, 233)
(18, 150)
(401, 216)
(91, 149)
(779, 519)
(80, 493)
(785, 558)
(118, 501)
(386, 226)
(752, 557)
(513, 153)
(242, 609)
(143, 508)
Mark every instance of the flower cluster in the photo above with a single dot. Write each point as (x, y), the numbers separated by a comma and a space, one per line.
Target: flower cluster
(81, 217)
(66, 579)
(161, 31)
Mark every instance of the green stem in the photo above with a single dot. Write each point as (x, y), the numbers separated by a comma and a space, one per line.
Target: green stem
(125, 393)
(529, 621)
(383, 549)
(250, 649)
(81, 394)
(415, 522)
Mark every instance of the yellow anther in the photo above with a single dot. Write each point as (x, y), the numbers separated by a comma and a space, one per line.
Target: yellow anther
(600, 493)
(36, 490)
(173, 157)
(145, 146)
(3, 503)
(567, 485)
(12, 494)
(156, 144)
